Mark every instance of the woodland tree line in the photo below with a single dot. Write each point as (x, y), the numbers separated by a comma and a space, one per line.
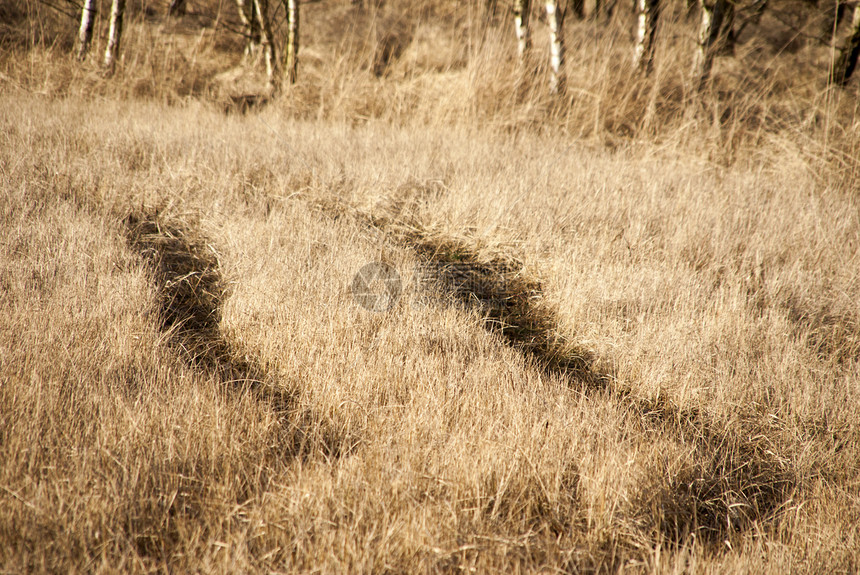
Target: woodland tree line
(719, 24)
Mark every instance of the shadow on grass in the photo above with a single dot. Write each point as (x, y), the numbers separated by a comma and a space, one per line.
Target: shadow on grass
(738, 479)
(190, 291)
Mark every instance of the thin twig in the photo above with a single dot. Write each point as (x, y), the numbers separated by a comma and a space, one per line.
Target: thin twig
(59, 9)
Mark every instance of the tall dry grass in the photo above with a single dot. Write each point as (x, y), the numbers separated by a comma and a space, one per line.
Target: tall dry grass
(188, 383)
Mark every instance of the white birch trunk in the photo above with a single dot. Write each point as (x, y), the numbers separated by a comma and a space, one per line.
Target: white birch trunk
(85, 34)
(248, 17)
(713, 12)
(555, 17)
(703, 56)
(522, 9)
(292, 56)
(115, 35)
(843, 67)
(646, 28)
(267, 41)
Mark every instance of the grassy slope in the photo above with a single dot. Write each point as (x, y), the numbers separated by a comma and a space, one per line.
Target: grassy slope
(415, 440)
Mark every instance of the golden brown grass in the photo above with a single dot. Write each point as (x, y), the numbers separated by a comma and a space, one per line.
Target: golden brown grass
(187, 384)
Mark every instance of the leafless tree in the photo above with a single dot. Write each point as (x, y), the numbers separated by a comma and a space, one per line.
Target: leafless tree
(261, 9)
(117, 11)
(250, 26)
(522, 10)
(711, 36)
(291, 61)
(85, 34)
(555, 14)
(648, 12)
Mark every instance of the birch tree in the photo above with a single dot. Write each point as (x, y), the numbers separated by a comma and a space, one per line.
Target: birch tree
(648, 12)
(291, 61)
(709, 38)
(555, 17)
(261, 8)
(85, 34)
(844, 65)
(250, 26)
(117, 11)
(522, 9)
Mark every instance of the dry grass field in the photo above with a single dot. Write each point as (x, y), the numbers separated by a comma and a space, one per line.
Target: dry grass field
(628, 338)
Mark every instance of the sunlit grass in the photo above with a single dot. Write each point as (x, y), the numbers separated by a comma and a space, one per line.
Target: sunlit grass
(660, 371)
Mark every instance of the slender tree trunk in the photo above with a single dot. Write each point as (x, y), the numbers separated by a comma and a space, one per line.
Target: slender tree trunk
(555, 16)
(250, 26)
(713, 13)
(261, 7)
(291, 62)
(115, 36)
(648, 12)
(85, 35)
(843, 67)
(703, 59)
(522, 10)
